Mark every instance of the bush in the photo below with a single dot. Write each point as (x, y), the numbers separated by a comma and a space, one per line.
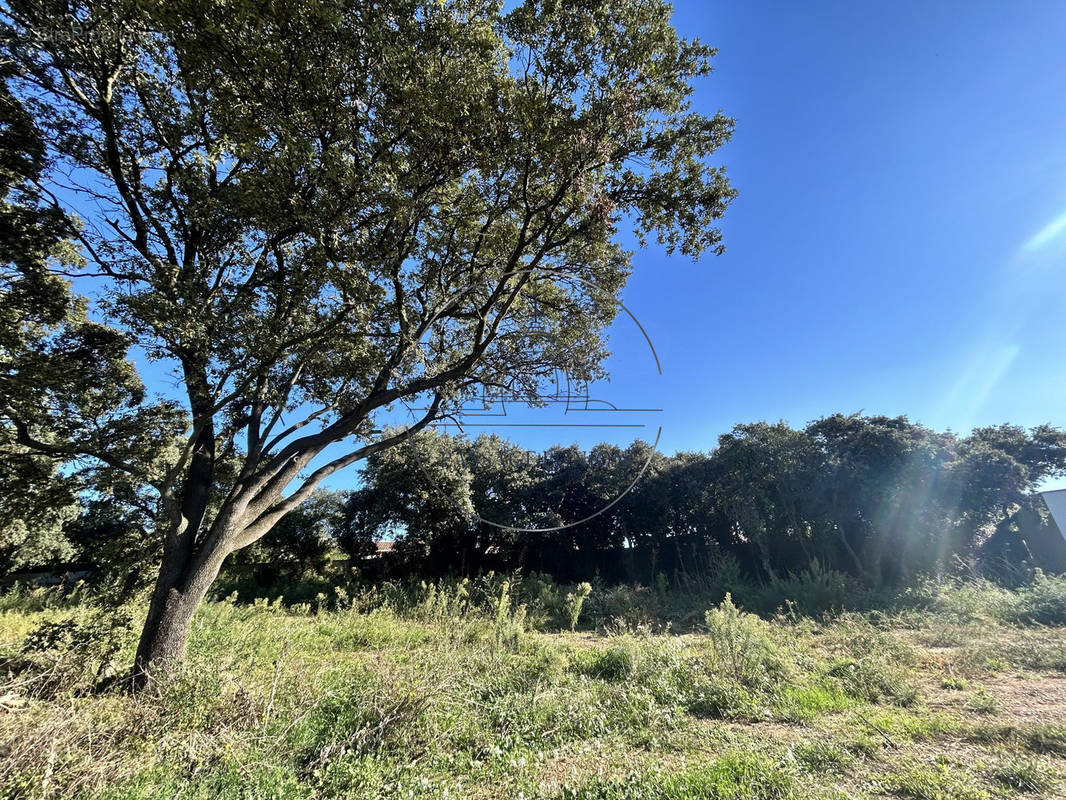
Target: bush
(1043, 602)
(72, 654)
(625, 605)
(574, 601)
(742, 645)
(613, 664)
(814, 591)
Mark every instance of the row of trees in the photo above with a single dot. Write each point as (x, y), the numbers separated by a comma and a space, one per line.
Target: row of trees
(880, 498)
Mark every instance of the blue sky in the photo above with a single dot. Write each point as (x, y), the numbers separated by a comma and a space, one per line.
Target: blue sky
(899, 243)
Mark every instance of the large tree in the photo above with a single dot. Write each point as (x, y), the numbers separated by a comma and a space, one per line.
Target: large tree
(310, 212)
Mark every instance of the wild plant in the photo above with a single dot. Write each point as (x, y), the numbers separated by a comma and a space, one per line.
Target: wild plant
(575, 600)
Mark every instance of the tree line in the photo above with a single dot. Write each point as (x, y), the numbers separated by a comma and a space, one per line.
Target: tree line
(880, 498)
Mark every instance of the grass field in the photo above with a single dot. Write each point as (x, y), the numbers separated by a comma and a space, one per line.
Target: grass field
(462, 692)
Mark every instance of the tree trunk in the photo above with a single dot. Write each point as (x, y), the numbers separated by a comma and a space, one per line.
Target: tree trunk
(183, 582)
(859, 566)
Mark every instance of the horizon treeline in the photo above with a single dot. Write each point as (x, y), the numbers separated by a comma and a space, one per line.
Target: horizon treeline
(879, 498)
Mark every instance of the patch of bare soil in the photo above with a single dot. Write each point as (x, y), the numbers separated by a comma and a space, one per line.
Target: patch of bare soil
(1029, 699)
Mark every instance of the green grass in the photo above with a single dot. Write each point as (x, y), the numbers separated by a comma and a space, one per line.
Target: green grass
(470, 691)
(1025, 775)
(1050, 739)
(736, 776)
(940, 780)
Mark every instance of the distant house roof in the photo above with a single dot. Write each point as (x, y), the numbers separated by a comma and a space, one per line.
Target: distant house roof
(385, 546)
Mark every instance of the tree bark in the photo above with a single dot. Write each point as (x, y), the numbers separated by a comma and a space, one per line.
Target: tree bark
(182, 584)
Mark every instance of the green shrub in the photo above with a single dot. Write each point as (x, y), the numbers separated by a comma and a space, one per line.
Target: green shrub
(73, 653)
(1040, 602)
(742, 645)
(612, 664)
(1043, 602)
(625, 605)
(575, 600)
(814, 591)
(961, 601)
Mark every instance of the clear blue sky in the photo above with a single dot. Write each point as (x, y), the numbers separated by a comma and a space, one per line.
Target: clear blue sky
(899, 243)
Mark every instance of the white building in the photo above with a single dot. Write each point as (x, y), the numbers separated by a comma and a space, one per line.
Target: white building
(1056, 503)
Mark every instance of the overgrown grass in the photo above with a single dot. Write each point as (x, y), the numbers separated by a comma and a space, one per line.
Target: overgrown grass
(1041, 601)
(478, 689)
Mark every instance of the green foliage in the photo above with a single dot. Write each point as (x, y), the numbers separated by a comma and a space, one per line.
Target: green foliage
(360, 715)
(1047, 738)
(575, 600)
(906, 725)
(36, 503)
(954, 682)
(835, 515)
(940, 780)
(613, 664)
(115, 535)
(821, 756)
(316, 212)
(302, 541)
(871, 679)
(443, 689)
(73, 653)
(1041, 602)
(963, 600)
(742, 644)
(813, 591)
(872, 663)
(981, 702)
(732, 777)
